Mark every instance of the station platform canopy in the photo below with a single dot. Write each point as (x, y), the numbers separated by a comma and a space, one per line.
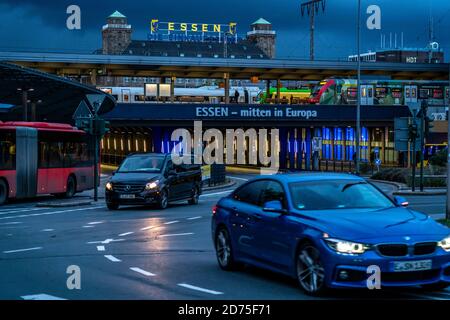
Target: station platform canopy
(215, 68)
(56, 98)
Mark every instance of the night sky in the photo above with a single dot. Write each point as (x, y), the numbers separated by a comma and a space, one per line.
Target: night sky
(40, 25)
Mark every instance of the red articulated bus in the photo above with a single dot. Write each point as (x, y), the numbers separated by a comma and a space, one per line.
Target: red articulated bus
(44, 158)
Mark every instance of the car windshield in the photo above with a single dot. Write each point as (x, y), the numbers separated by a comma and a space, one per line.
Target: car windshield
(145, 163)
(337, 194)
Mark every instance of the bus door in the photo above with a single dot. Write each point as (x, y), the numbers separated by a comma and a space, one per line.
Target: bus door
(126, 95)
(367, 94)
(26, 162)
(411, 94)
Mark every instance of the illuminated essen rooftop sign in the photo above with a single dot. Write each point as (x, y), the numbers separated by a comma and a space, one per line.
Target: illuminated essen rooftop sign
(157, 26)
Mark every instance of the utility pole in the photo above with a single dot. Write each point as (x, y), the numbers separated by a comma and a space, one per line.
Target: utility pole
(312, 9)
(448, 153)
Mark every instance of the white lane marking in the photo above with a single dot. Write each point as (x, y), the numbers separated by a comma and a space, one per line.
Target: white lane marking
(87, 227)
(188, 286)
(125, 234)
(95, 222)
(112, 258)
(147, 228)
(216, 193)
(101, 248)
(41, 296)
(107, 241)
(51, 213)
(145, 273)
(9, 223)
(22, 250)
(19, 211)
(176, 234)
(194, 218)
(171, 222)
(237, 178)
(47, 230)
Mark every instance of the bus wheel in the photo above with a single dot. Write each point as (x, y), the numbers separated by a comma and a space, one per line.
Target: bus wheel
(71, 187)
(3, 192)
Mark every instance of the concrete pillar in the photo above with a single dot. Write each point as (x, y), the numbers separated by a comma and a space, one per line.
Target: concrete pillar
(278, 90)
(227, 87)
(33, 111)
(172, 89)
(25, 104)
(94, 77)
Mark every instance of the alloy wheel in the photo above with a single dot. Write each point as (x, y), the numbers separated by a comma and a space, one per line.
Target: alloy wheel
(223, 249)
(310, 271)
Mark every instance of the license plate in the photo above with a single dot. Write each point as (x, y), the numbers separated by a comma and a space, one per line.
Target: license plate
(405, 266)
(127, 196)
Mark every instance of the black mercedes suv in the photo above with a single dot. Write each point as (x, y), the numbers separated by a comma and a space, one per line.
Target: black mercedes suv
(151, 178)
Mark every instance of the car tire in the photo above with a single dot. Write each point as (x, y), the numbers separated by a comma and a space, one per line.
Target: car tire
(3, 192)
(112, 206)
(439, 286)
(310, 272)
(163, 201)
(195, 196)
(224, 252)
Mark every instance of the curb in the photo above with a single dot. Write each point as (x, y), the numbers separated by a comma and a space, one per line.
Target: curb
(419, 193)
(218, 187)
(64, 205)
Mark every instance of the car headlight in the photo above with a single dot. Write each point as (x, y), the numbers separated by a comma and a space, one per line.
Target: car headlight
(348, 247)
(152, 185)
(445, 244)
(109, 186)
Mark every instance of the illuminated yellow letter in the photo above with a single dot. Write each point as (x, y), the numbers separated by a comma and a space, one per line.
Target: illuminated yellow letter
(217, 28)
(204, 28)
(171, 26)
(183, 27)
(194, 27)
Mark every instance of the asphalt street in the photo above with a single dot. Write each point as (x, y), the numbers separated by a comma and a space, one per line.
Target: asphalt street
(140, 253)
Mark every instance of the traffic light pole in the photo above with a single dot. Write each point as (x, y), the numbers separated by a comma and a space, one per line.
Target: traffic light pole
(422, 140)
(414, 158)
(96, 167)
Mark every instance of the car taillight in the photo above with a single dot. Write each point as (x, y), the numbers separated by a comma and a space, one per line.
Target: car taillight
(214, 209)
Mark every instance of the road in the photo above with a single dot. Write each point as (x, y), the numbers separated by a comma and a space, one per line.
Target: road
(135, 253)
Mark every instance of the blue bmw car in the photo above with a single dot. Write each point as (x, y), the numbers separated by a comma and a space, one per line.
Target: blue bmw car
(326, 230)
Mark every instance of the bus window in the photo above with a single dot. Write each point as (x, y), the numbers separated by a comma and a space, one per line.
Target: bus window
(7, 150)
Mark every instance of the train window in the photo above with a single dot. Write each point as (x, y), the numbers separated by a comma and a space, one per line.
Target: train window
(413, 93)
(424, 93)
(396, 93)
(352, 92)
(126, 98)
(380, 92)
(7, 150)
(370, 92)
(438, 94)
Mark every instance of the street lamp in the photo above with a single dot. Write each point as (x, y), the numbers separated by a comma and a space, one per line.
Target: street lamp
(358, 95)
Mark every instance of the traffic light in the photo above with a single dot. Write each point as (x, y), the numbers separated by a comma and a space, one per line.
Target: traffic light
(428, 125)
(100, 127)
(413, 132)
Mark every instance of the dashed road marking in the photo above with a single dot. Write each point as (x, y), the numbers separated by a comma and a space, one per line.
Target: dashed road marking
(216, 193)
(51, 213)
(100, 248)
(112, 258)
(237, 178)
(41, 296)
(171, 222)
(145, 273)
(125, 234)
(147, 228)
(22, 250)
(47, 230)
(10, 223)
(176, 234)
(194, 218)
(95, 223)
(19, 211)
(88, 227)
(188, 286)
(107, 241)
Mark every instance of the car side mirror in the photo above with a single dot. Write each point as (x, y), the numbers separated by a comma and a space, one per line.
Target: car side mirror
(274, 206)
(114, 172)
(401, 202)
